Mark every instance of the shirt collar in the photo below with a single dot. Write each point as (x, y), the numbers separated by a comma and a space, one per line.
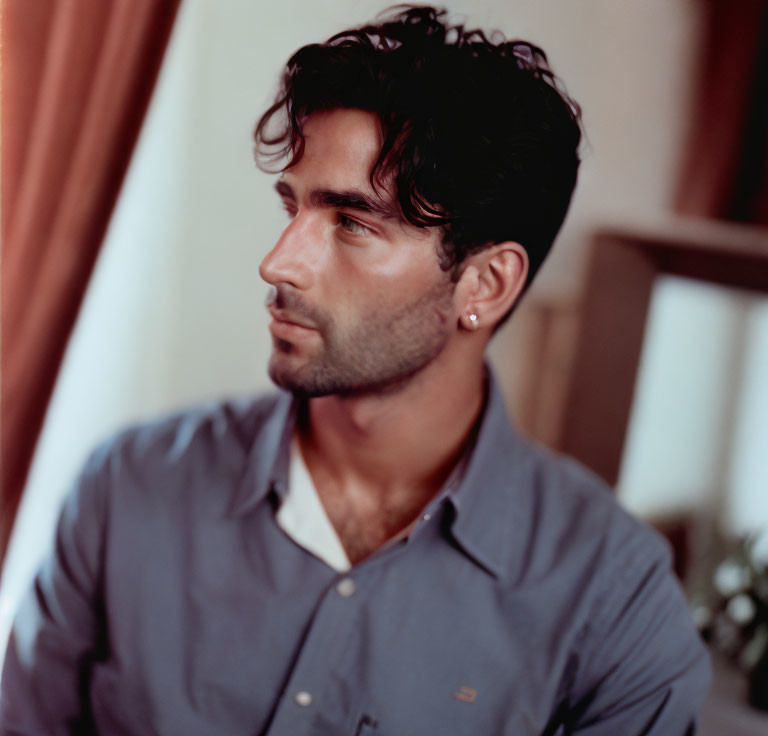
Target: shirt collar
(492, 501)
(490, 505)
(269, 457)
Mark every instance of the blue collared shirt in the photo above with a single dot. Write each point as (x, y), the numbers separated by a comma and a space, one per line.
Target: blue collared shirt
(525, 602)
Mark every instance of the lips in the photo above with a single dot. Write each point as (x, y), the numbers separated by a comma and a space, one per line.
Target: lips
(286, 318)
(289, 328)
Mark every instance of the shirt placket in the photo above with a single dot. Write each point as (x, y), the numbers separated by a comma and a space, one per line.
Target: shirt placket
(325, 650)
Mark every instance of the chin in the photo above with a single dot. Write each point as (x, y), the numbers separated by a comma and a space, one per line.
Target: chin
(297, 379)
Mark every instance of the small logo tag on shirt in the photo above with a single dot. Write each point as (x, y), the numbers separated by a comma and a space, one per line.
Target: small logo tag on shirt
(467, 694)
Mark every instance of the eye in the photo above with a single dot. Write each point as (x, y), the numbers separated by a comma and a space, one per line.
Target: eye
(290, 208)
(352, 227)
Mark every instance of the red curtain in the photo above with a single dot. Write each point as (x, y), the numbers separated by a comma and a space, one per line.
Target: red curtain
(77, 76)
(725, 174)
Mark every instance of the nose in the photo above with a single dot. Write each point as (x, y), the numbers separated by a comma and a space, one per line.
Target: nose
(292, 259)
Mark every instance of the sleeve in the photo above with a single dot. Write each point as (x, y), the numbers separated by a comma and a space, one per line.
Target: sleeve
(647, 670)
(58, 629)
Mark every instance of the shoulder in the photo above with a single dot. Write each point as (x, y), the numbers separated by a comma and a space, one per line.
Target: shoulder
(633, 633)
(574, 510)
(200, 448)
(213, 426)
(541, 514)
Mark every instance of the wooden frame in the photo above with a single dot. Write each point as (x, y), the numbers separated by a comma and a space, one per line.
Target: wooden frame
(622, 270)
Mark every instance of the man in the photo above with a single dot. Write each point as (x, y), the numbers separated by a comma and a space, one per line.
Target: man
(373, 551)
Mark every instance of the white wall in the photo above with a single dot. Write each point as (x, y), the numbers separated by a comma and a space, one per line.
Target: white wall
(174, 311)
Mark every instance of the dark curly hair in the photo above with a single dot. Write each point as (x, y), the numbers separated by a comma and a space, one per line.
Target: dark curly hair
(479, 137)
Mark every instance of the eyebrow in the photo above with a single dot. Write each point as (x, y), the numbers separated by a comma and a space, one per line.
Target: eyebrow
(347, 199)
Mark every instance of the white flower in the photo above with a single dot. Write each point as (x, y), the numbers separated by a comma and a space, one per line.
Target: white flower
(741, 609)
(730, 578)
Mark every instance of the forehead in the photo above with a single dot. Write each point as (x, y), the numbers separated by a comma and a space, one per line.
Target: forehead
(341, 147)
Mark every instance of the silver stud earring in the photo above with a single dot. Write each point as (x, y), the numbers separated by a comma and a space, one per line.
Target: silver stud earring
(473, 321)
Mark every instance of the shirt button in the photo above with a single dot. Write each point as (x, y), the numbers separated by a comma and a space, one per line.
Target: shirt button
(345, 587)
(303, 698)
(427, 517)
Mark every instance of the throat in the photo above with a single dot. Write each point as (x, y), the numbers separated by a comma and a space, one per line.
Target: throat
(376, 465)
(365, 527)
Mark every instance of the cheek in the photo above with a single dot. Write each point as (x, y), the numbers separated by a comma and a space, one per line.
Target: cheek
(443, 311)
(368, 283)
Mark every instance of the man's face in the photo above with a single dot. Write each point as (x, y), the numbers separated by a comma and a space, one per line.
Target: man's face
(359, 303)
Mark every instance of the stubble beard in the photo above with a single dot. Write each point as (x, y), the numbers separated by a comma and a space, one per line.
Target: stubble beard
(379, 353)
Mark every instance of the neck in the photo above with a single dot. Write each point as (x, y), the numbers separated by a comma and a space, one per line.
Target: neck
(400, 445)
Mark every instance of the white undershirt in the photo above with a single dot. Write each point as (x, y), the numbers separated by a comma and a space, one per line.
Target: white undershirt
(302, 516)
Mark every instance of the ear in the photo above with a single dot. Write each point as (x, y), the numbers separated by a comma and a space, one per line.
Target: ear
(490, 283)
